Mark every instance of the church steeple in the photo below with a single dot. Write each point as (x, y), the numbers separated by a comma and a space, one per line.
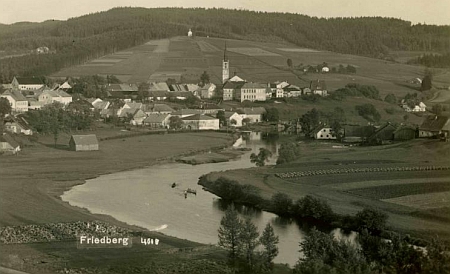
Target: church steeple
(225, 66)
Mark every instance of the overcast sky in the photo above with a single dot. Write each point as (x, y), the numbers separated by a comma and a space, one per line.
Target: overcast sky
(417, 11)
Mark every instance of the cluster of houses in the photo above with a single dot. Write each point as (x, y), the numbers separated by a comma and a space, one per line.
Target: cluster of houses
(27, 93)
(419, 107)
(433, 126)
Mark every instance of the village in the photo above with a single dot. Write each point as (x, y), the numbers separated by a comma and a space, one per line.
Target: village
(161, 106)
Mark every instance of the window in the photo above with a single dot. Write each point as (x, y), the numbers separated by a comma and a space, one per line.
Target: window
(321, 136)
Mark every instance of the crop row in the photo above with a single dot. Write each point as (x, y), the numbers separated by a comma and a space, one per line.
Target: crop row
(295, 174)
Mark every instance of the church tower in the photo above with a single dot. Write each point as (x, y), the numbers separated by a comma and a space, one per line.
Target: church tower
(225, 66)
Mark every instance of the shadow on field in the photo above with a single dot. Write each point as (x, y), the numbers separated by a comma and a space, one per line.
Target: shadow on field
(58, 146)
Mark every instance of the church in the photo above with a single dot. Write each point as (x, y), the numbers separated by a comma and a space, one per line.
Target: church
(236, 88)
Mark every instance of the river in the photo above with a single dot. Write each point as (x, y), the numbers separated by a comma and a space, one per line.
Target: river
(145, 198)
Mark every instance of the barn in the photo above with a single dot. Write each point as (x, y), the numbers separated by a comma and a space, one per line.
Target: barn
(83, 142)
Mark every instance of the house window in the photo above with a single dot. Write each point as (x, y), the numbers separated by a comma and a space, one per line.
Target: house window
(321, 136)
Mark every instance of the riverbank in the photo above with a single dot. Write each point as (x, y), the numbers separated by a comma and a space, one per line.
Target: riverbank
(30, 189)
(413, 191)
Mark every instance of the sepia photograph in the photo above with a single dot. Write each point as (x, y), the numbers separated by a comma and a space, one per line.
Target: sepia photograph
(220, 137)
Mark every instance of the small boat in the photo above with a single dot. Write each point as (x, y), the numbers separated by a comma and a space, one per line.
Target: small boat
(192, 191)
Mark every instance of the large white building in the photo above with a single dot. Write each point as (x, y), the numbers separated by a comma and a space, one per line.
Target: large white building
(27, 83)
(252, 92)
(17, 101)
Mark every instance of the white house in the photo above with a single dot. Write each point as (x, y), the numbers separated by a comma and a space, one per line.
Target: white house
(200, 122)
(8, 144)
(17, 101)
(319, 87)
(252, 92)
(324, 133)
(253, 114)
(27, 83)
(232, 115)
(49, 96)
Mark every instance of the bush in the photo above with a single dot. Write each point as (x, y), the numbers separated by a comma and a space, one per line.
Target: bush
(313, 208)
(281, 204)
(288, 152)
(372, 220)
(368, 112)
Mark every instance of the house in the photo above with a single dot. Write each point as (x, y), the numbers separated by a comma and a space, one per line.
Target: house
(357, 134)
(49, 96)
(404, 133)
(17, 125)
(383, 135)
(136, 115)
(421, 107)
(207, 92)
(8, 144)
(292, 91)
(17, 101)
(122, 91)
(200, 122)
(324, 133)
(251, 92)
(318, 87)
(232, 115)
(27, 83)
(435, 126)
(306, 91)
(159, 86)
(230, 89)
(254, 114)
(158, 109)
(156, 120)
(277, 89)
(99, 104)
(83, 142)
(158, 95)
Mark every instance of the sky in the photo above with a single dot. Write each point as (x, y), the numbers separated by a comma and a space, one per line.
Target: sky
(436, 12)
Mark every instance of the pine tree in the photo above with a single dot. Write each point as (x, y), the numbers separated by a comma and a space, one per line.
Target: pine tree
(249, 241)
(269, 240)
(230, 232)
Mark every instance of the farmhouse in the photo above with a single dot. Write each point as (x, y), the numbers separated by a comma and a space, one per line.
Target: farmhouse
(49, 96)
(159, 86)
(200, 122)
(17, 101)
(435, 126)
(383, 135)
(254, 115)
(27, 83)
(319, 87)
(230, 89)
(186, 112)
(8, 144)
(157, 120)
(404, 133)
(136, 115)
(207, 91)
(83, 142)
(123, 91)
(324, 133)
(17, 125)
(158, 109)
(232, 115)
(357, 134)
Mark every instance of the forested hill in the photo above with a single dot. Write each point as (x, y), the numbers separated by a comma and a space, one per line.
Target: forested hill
(79, 39)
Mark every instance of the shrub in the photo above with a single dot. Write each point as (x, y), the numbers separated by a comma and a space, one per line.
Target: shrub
(313, 208)
(281, 204)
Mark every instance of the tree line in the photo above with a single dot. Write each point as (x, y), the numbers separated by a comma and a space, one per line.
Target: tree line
(80, 39)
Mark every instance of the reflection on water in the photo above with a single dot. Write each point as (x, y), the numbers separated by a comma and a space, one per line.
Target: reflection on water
(145, 198)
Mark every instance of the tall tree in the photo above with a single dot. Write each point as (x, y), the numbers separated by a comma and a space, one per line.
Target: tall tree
(221, 116)
(204, 79)
(249, 241)
(427, 81)
(175, 122)
(289, 62)
(262, 157)
(5, 107)
(230, 231)
(269, 240)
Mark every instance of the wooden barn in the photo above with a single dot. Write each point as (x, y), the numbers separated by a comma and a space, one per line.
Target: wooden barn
(83, 142)
(404, 133)
(383, 135)
(8, 144)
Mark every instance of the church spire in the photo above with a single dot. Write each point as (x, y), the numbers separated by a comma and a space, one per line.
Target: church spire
(225, 57)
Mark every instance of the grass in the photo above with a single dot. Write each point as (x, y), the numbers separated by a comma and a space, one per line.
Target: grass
(339, 190)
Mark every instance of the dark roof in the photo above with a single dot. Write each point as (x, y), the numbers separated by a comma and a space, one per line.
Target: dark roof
(318, 85)
(156, 118)
(250, 111)
(20, 120)
(233, 85)
(384, 133)
(15, 94)
(435, 123)
(158, 93)
(358, 131)
(8, 139)
(90, 139)
(254, 85)
(198, 117)
(29, 81)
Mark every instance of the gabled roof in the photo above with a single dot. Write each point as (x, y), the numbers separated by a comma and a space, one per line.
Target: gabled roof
(6, 138)
(122, 87)
(20, 120)
(29, 81)
(250, 111)
(228, 114)
(161, 108)
(156, 118)
(159, 86)
(90, 139)
(198, 117)
(435, 123)
(158, 93)
(236, 79)
(15, 94)
(318, 85)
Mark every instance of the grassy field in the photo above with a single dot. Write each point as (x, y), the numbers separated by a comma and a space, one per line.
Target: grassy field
(349, 193)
